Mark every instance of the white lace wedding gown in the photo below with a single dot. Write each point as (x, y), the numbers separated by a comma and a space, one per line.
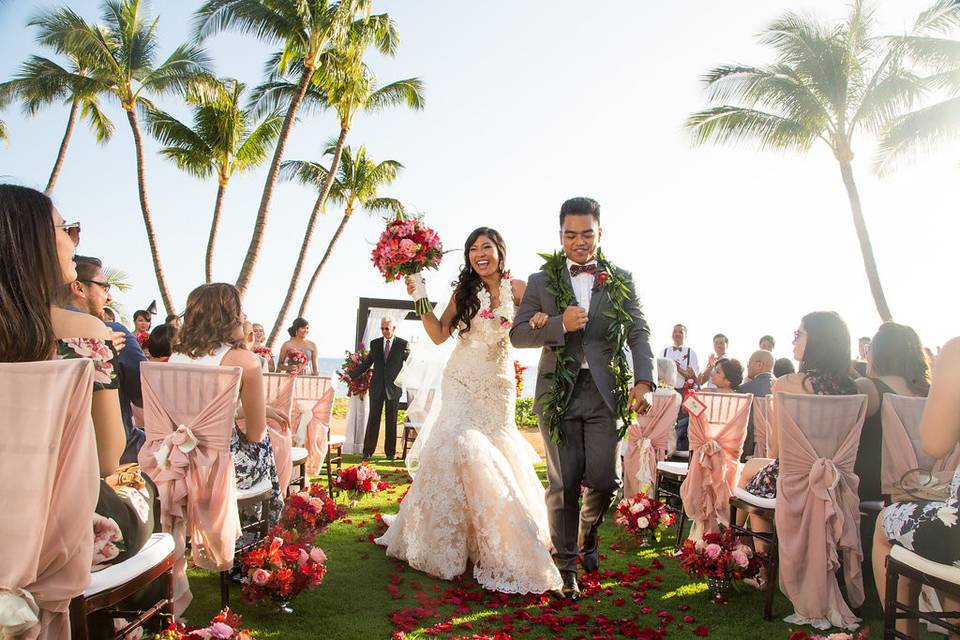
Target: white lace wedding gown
(475, 495)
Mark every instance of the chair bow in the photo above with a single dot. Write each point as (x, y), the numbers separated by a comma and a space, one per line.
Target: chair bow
(708, 450)
(182, 438)
(821, 484)
(18, 612)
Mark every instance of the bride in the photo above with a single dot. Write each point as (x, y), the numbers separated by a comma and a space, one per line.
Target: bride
(475, 496)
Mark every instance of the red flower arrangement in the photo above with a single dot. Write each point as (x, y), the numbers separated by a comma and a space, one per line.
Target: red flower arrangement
(295, 362)
(407, 247)
(280, 569)
(718, 556)
(356, 386)
(143, 337)
(224, 626)
(263, 352)
(358, 481)
(308, 513)
(642, 517)
(518, 370)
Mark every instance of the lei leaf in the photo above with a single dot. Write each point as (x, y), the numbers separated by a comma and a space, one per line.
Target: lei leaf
(556, 399)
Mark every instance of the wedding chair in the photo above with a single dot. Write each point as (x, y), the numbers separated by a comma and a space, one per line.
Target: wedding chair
(647, 441)
(278, 394)
(314, 397)
(49, 472)
(941, 577)
(189, 419)
(761, 426)
(817, 508)
(900, 418)
(716, 444)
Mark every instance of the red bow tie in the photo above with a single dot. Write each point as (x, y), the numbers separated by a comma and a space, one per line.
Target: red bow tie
(577, 269)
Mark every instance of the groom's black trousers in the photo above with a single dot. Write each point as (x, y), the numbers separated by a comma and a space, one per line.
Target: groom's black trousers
(587, 456)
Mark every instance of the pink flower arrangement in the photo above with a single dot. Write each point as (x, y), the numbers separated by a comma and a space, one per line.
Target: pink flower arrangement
(224, 626)
(407, 247)
(308, 513)
(718, 555)
(359, 385)
(359, 480)
(642, 517)
(280, 569)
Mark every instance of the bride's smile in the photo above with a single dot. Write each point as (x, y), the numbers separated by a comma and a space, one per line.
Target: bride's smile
(484, 257)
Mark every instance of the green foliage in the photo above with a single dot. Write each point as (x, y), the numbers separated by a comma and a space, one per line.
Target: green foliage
(526, 418)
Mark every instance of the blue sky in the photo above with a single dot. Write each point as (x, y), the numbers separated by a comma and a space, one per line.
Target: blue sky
(529, 103)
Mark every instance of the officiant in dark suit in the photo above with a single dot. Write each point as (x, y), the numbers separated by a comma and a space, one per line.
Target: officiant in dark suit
(386, 356)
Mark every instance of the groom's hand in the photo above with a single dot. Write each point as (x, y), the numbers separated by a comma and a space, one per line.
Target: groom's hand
(640, 398)
(574, 318)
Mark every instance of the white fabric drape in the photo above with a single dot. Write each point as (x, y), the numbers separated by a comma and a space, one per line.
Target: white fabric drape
(374, 316)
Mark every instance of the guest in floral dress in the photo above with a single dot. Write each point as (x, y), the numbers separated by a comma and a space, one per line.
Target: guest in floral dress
(929, 529)
(212, 335)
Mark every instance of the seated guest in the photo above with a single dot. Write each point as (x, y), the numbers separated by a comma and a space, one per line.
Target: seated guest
(720, 345)
(760, 374)
(259, 348)
(141, 326)
(767, 343)
(36, 263)
(727, 376)
(160, 344)
(783, 367)
(929, 529)
(90, 293)
(212, 335)
(895, 364)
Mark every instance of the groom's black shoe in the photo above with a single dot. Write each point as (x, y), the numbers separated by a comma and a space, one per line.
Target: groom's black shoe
(571, 590)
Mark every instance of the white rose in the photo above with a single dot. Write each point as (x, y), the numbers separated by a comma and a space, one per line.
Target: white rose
(643, 522)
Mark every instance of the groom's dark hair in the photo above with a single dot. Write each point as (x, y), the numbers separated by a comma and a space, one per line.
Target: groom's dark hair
(580, 207)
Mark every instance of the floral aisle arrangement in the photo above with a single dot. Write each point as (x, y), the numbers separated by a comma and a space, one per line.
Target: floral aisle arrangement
(718, 558)
(280, 569)
(358, 481)
(860, 634)
(224, 626)
(295, 361)
(308, 513)
(642, 517)
(518, 370)
(359, 385)
(406, 248)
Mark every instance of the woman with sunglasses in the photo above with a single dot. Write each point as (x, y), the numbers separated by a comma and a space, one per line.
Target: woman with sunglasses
(36, 264)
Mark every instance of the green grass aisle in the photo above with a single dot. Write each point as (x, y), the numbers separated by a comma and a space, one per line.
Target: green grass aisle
(367, 596)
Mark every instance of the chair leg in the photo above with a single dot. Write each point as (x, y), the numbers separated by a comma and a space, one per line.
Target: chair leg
(773, 577)
(328, 464)
(78, 619)
(890, 601)
(680, 522)
(224, 589)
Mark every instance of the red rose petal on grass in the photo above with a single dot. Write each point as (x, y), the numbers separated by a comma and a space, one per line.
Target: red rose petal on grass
(619, 602)
(683, 607)
(702, 631)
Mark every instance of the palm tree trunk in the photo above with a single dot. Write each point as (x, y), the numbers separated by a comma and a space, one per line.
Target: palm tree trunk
(147, 218)
(866, 248)
(211, 241)
(260, 225)
(308, 235)
(63, 148)
(326, 256)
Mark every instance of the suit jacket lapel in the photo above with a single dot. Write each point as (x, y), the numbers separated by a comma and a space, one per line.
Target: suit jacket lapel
(596, 297)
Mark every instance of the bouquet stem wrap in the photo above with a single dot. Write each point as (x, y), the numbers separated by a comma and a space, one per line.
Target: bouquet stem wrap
(420, 301)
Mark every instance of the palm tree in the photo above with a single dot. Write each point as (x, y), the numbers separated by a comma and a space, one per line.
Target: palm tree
(351, 87)
(122, 53)
(306, 30)
(224, 139)
(41, 81)
(357, 183)
(933, 50)
(828, 84)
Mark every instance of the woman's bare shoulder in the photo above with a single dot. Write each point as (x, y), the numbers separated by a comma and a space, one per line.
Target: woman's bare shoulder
(74, 324)
(240, 357)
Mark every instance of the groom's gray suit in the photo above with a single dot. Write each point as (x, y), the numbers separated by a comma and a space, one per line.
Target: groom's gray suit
(588, 454)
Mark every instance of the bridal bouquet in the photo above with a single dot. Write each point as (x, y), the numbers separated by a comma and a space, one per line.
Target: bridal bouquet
(297, 360)
(280, 570)
(407, 247)
(356, 386)
(358, 481)
(308, 513)
(642, 517)
(224, 626)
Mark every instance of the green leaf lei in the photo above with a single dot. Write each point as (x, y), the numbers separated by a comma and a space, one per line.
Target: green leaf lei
(618, 292)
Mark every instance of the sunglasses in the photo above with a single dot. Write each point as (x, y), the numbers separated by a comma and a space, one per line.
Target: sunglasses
(105, 285)
(797, 334)
(72, 229)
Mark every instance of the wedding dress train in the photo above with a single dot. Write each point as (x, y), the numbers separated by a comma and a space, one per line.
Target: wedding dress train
(475, 495)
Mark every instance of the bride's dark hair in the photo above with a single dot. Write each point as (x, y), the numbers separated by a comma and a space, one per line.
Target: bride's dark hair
(468, 282)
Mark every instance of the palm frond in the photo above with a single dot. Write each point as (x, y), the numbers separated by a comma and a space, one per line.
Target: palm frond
(942, 17)
(271, 21)
(889, 98)
(303, 171)
(258, 145)
(118, 279)
(408, 92)
(187, 68)
(915, 132)
(276, 95)
(183, 145)
(383, 205)
(100, 124)
(731, 124)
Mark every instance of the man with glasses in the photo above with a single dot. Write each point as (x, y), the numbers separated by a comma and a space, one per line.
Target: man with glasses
(90, 293)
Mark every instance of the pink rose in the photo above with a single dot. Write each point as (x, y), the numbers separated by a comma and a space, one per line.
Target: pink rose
(220, 631)
(712, 551)
(260, 577)
(302, 560)
(740, 558)
(317, 555)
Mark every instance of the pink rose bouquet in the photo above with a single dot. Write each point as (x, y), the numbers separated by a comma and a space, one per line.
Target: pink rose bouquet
(407, 247)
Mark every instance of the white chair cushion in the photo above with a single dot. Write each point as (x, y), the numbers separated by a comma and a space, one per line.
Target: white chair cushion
(942, 571)
(682, 454)
(337, 440)
(757, 501)
(158, 547)
(264, 486)
(298, 454)
(678, 468)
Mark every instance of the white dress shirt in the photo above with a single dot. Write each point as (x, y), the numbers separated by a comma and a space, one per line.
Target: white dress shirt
(583, 290)
(686, 356)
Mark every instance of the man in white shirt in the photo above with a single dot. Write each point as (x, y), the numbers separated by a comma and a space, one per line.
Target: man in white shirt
(684, 357)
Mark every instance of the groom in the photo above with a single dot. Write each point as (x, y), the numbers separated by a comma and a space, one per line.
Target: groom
(587, 416)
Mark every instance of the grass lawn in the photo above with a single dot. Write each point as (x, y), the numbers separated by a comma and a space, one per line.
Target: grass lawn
(363, 587)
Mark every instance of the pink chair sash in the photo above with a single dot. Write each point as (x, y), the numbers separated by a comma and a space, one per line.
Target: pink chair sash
(761, 425)
(189, 420)
(49, 472)
(817, 513)
(647, 441)
(320, 390)
(902, 452)
(716, 442)
(278, 392)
